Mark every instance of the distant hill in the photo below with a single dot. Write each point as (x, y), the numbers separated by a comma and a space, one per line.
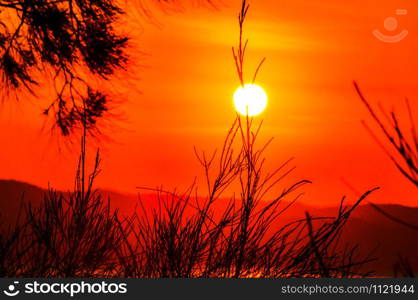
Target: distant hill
(381, 237)
(13, 194)
(377, 235)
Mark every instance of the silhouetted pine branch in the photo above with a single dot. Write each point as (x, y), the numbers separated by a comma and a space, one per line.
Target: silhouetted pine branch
(403, 142)
(63, 45)
(61, 38)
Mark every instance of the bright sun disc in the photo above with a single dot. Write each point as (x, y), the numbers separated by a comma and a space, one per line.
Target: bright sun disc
(250, 99)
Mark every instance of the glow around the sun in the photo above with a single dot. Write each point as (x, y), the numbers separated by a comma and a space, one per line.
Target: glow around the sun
(250, 99)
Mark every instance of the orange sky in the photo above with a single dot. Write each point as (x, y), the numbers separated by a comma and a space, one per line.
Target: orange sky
(183, 98)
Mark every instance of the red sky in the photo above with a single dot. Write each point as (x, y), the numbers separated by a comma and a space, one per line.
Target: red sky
(179, 95)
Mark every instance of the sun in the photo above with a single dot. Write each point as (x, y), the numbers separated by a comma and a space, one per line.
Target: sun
(250, 99)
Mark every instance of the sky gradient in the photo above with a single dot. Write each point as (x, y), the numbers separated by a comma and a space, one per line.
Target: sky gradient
(177, 94)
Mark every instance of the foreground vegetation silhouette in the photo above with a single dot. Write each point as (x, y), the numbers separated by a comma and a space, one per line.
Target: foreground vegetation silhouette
(76, 234)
